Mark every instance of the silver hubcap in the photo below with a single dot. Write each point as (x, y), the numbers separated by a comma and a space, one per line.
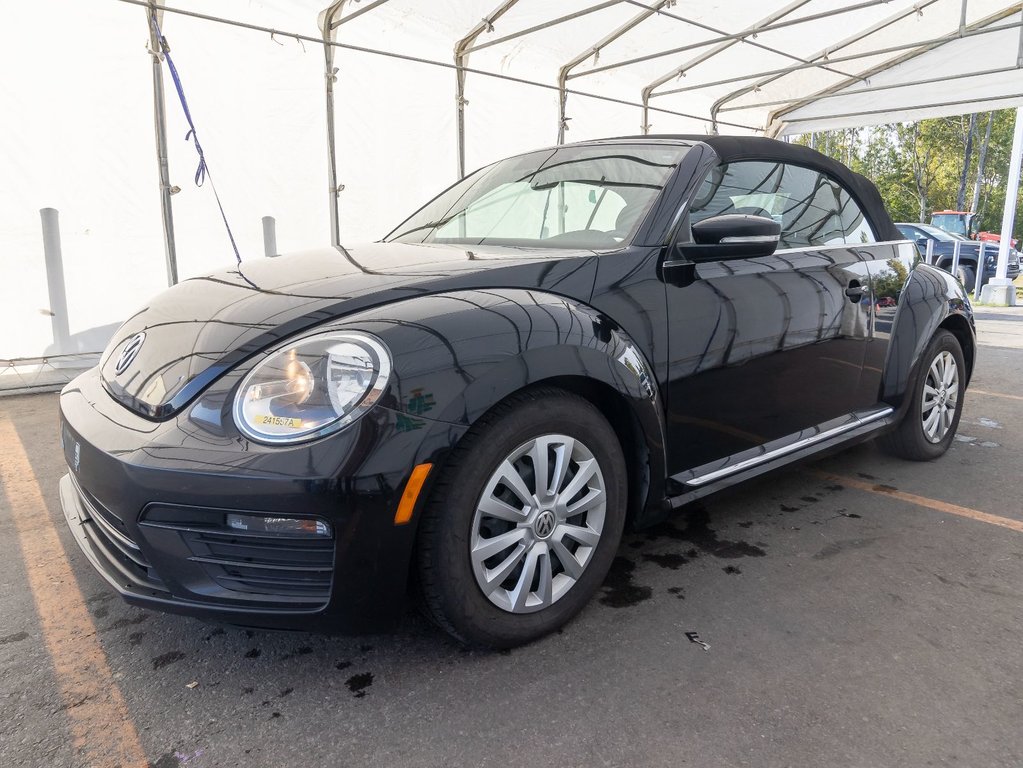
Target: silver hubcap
(537, 523)
(941, 397)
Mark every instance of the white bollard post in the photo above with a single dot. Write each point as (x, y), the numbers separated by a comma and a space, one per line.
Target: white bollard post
(55, 279)
(981, 268)
(955, 259)
(269, 236)
(1000, 290)
(929, 252)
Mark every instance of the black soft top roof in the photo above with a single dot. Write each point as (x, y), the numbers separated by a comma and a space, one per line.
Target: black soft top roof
(734, 148)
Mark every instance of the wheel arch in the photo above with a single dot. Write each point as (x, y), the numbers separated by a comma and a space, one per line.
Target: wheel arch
(457, 355)
(960, 327)
(930, 300)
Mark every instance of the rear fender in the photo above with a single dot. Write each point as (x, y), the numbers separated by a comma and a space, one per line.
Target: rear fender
(930, 297)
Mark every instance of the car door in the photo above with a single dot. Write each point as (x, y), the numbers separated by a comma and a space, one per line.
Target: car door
(761, 348)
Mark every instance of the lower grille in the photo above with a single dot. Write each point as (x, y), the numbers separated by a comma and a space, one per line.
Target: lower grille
(108, 533)
(265, 565)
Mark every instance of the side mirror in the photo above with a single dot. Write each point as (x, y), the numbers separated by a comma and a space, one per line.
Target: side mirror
(922, 242)
(732, 236)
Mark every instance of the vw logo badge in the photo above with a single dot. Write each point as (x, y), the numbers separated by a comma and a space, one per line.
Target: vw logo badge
(544, 525)
(129, 353)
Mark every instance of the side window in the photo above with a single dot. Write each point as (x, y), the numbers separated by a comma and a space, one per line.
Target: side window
(811, 208)
(857, 228)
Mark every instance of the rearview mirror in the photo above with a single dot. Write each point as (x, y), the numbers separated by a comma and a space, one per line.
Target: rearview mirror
(732, 236)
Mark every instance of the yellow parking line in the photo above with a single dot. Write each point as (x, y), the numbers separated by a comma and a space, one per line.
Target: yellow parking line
(923, 501)
(994, 394)
(101, 727)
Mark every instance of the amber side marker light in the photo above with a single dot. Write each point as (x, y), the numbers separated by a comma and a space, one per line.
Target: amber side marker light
(412, 489)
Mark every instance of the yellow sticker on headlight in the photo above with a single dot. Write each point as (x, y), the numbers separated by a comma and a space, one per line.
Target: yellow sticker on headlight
(278, 421)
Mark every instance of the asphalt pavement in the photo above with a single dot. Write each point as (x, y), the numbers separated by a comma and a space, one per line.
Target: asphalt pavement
(856, 611)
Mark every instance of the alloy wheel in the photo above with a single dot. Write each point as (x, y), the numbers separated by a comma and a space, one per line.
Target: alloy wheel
(537, 523)
(941, 397)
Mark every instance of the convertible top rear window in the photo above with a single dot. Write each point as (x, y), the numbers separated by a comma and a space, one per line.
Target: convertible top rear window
(569, 197)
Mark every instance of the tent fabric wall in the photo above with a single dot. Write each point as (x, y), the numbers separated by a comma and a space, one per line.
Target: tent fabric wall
(78, 134)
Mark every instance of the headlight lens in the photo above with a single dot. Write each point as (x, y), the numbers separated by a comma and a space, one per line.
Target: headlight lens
(311, 386)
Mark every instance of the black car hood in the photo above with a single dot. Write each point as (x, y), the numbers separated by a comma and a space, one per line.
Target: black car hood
(203, 327)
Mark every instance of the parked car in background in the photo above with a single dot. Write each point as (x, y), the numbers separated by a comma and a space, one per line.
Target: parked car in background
(472, 410)
(969, 253)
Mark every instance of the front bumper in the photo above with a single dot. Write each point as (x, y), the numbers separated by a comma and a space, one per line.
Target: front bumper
(146, 502)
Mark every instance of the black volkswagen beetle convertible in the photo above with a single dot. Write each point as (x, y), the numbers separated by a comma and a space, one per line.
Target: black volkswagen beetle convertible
(472, 410)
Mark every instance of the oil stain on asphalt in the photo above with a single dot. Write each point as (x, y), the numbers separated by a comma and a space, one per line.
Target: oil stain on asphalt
(358, 684)
(167, 659)
(619, 589)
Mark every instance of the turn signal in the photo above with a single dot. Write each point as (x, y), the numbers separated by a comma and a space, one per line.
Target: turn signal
(412, 489)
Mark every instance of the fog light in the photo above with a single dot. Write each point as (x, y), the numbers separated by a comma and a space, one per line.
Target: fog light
(289, 526)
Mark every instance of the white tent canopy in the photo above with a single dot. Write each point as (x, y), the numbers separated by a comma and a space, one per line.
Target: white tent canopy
(79, 136)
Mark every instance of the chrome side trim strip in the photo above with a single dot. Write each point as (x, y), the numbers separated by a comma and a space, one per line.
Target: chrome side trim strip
(799, 445)
(835, 246)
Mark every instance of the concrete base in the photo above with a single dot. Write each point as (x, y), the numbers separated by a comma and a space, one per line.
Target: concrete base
(999, 292)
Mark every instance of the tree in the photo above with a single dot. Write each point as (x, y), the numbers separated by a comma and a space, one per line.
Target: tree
(967, 156)
(928, 165)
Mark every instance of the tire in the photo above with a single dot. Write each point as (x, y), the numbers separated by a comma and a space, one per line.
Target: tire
(917, 437)
(458, 555)
(967, 276)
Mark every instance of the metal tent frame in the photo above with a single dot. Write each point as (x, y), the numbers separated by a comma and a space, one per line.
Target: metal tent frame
(856, 63)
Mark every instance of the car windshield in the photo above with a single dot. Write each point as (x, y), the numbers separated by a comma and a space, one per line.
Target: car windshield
(570, 197)
(935, 233)
(950, 222)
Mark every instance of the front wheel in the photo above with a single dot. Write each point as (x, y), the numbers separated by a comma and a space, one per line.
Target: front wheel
(929, 425)
(525, 520)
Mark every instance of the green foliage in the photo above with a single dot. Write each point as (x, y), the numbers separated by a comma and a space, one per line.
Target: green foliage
(917, 166)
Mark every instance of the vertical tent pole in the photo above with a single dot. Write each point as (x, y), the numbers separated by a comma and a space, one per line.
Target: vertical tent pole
(163, 168)
(594, 50)
(329, 20)
(326, 22)
(461, 54)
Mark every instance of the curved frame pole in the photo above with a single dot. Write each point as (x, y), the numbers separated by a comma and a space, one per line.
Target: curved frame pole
(328, 21)
(462, 50)
(680, 71)
(163, 165)
(821, 55)
(775, 121)
(326, 24)
(594, 50)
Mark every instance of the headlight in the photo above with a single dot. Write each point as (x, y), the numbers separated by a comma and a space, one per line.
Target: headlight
(311, 387)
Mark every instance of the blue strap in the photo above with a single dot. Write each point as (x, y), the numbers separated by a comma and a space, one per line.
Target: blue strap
(202, 173)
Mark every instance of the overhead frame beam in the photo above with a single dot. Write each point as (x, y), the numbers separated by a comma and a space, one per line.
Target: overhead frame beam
(462, 49)
(934, 105)
(872, 89)
(337, 22)
(545, 25)
(959, 34)
(680, 71)
(594, 50)
(775, 73)
(824, 53)
(723, 37)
